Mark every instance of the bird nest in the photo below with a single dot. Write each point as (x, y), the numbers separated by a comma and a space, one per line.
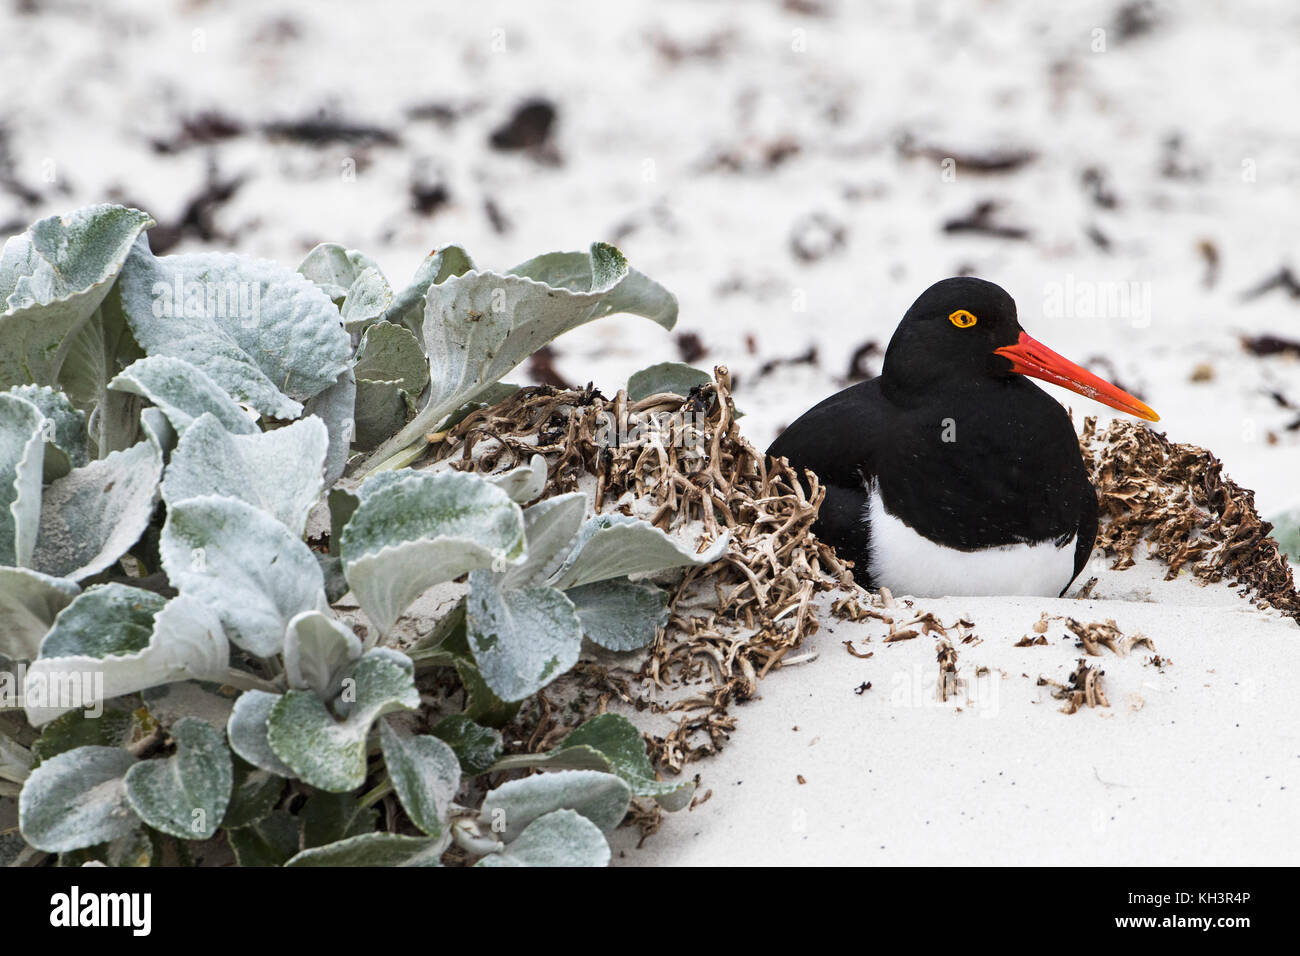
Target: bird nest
(681, 463)
(1176, 500)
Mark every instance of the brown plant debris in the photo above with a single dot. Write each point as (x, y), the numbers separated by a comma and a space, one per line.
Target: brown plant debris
(678, 461)
(1176, 499)
(949, 683)
(1084, 689)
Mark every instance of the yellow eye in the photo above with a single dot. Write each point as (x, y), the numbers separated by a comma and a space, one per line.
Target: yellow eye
(962, 319)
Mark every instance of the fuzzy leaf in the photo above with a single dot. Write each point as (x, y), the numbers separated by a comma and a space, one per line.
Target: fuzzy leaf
(522, 638)
(94, 514)
(615, 545)
(330, 817)
(334, 269)
(600, 797)
(16, 760)
(619, 614)
(561, 838)
(98, 352)
(22, 460)
(412, 531)
(407, 307)
(380, 409)
(248, 567)
(29, 602)
(269, 842)
(390, 353)
(618, 740)
(270, 336)
(77, 799)
(247, 732)
(425, 775)
(375, 849)
(185, 795)
(367, 300)
(318, 652)
(330, 754)
(129, 640)
(477, 748)
(183, 392)
(115, 727)
(481, 705)
(52, 278)
(253, 795)
(673, 377)
(336, 407)
(66, 443)
(550, 530)
(391, 372)
(279, 471)
(524, 483)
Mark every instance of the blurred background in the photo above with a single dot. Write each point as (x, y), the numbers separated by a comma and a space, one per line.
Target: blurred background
(796, 171)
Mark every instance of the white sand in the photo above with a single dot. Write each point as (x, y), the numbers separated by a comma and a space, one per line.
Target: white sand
(1195, 762)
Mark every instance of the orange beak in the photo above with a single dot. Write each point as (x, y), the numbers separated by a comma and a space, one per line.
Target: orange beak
(1033, 358)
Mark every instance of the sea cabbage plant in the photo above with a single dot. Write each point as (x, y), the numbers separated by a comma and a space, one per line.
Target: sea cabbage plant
(175, 666)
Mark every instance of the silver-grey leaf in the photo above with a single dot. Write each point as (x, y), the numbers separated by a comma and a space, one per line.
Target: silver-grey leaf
(550, 530)
(269, 335)
(319, 651)
(22, 459)
(602, 798)
(52, 278)
(616, 545)
(522, 638)
(247, 732)
(248, 567)
(618, 614)
(118, 640)
(480, 325)
(280, 472)
(414, 530)
(183, 391)
(77, 799)
(425, 775)
(560, 838)
(185, 795)
(29, 602)
(525, 483)
(94, 514)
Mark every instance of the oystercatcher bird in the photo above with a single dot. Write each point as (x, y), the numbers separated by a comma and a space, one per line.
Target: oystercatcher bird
(951, 472)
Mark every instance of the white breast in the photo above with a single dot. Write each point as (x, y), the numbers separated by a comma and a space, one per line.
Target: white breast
(907, 562)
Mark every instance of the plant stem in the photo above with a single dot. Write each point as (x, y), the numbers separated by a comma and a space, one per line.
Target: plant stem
(431, 657)
(243, 680)
(400, 460)
(383, 789)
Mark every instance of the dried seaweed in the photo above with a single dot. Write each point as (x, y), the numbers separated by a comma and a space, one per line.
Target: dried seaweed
(1176, 499)
(949, 683)
(1084, 689)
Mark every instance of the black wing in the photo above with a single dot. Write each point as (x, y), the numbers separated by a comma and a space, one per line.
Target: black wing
(834, 440)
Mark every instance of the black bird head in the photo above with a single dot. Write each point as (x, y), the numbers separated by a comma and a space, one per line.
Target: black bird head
(963, 328)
